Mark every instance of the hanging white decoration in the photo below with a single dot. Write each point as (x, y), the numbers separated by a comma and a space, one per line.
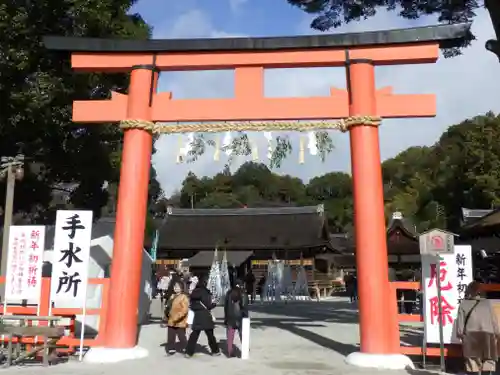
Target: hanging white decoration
(273, 288)
(279, 281)
(255, 151)
(214, 279)
(269, 286)
(189, 144)
(185, 147)
(226, 143)
(225, 279)
(312, 143)
(179, 158)
(301, 290)
(269, 137)
(217, 148)
(287, 283)
(301, 149)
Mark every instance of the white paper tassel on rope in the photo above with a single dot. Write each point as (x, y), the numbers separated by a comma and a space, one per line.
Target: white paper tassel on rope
(217, 148)
(255, 151)
(179, 158)
(185, 148)
(312, 144)
(269, 137)
(189, 144)
(227, 142)
(301, 150)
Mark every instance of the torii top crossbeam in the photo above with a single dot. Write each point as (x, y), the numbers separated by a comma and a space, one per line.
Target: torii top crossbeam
(249, 57)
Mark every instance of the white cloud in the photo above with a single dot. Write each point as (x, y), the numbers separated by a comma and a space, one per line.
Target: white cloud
(464, 87)
(236, 5)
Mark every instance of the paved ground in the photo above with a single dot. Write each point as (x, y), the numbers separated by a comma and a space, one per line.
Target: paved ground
(298, 338)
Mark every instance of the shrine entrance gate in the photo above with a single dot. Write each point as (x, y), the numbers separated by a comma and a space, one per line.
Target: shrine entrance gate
(362, 103)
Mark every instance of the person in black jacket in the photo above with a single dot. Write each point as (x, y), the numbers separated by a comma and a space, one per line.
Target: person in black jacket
(202, 306)
(250, 285)
(235, 309)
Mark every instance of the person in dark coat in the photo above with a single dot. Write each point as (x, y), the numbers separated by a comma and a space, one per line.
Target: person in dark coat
(250, 285)
(202, 306)
(235, 309)
(351, 286)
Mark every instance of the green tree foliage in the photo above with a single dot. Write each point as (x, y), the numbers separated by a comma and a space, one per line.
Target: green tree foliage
(332, 14)
(429, 185)
(254, 185)
(432, 184)
(37, 88)
(334, 190)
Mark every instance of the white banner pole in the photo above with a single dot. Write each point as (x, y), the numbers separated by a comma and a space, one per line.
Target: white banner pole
(245, 338)
(4, 312)
(82, 330)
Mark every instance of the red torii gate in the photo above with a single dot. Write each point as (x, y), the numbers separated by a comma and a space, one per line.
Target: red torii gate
(359, 53)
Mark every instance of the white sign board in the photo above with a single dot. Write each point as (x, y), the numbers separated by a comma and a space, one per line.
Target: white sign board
(455, 275)
(25, 262)
(70, 261)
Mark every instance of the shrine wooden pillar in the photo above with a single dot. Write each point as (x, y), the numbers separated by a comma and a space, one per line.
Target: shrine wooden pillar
(126, 267)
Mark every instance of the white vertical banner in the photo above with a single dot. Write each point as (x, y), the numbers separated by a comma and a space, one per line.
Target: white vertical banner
(24, 263)
(464, 275)
(463, 261)
(70, 261)
(455, 275)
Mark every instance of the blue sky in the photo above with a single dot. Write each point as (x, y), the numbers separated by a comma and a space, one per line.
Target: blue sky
(248, 17)
(463, 85)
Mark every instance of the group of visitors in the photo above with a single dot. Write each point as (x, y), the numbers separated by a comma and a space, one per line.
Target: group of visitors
(193, 309)
(165, 283)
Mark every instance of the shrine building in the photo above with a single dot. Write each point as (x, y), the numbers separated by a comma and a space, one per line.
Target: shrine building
(250, 237)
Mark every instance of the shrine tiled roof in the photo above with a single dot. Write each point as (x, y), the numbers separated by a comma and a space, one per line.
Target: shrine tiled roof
(486, 225)
(470, 215)
(244, 228)
(403, 226)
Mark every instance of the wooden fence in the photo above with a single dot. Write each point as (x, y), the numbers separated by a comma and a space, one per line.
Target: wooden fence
(69, 341)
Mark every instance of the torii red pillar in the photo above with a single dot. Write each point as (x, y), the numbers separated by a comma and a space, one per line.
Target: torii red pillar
(126, 267)
(376, 323)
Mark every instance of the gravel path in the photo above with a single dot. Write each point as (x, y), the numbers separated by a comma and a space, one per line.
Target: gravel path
(297, 338)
